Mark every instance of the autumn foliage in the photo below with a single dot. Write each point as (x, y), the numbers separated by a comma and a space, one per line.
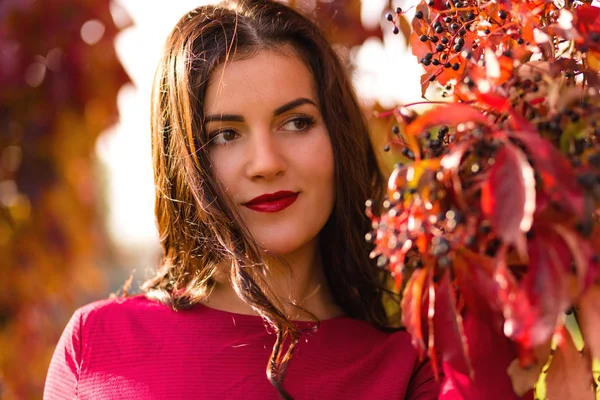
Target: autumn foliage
(493, 210)
(59, 79)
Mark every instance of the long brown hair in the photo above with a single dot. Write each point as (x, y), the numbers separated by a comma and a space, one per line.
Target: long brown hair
(199, 232)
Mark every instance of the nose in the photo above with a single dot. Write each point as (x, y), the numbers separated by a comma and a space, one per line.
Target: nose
(266, 159)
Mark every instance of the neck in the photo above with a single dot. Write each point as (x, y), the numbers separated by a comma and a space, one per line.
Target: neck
(297, 281)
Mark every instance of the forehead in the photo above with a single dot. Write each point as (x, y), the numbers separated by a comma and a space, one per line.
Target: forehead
(267, 79)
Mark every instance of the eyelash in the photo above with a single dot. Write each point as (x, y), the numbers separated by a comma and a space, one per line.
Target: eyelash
(306, 119)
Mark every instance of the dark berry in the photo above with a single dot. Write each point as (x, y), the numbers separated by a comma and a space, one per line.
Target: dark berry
(445, 40)
(447, 65)
(423, 38)
(594, 160)
(434, 39)
(395, 31)
(457, 47)
(428, 56)
(425, 61)
(419, 14)
(587, 179)
(439, 47)
(434, 144)
(502, 14)
(554, 126)
(431, 3)
(398, 10)
(485, 228)
(578, 146)
(389, 17)
(386, 148)
(456, 66)
(454, 26)
(435, 62)
(439, 29)
(395, 129)
(460, 41)
(584, 228)
(520, 41)
(436, 24)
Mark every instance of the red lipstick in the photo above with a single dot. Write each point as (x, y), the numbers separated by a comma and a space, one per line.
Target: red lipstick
(272, 202)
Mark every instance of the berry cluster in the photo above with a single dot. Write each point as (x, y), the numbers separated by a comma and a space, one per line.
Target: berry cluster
(507, 168)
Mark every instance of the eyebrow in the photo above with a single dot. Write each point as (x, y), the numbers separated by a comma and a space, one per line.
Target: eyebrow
(280, 110)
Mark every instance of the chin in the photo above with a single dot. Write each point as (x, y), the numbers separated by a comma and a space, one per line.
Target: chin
(285, 245)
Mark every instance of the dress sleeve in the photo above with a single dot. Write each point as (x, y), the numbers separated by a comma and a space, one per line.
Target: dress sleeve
(63, 375)
(423, 385)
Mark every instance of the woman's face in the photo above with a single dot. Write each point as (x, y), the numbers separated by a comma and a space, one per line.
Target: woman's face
(270, 149)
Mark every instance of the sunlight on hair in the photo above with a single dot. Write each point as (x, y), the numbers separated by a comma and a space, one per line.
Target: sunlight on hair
(125, 149)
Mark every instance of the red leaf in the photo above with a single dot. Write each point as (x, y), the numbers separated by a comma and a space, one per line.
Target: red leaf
(589, 319)
(546, 287)
(569, 375)
(405, 28)
(474, 277)
(588, 19)
(493, 100)
(412, 307)
(583, 255)
(425, 82)
(452, 114)
(518, 312)
(449, 335)
(451, 162)
(420, 27)
(555, 170)
(491, 353)
(508, 196)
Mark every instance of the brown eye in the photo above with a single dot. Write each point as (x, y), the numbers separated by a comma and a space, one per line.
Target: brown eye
(223, 137)
(299, 124)
(228, 135)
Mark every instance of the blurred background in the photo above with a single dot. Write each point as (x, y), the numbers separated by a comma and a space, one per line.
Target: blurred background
(76, 190)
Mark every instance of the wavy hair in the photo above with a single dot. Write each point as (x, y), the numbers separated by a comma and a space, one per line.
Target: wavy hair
(199, 232)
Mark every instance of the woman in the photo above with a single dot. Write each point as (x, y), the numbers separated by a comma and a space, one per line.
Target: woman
(262, 165)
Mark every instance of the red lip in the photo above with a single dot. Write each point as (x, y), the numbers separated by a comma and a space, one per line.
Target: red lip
(272, 202)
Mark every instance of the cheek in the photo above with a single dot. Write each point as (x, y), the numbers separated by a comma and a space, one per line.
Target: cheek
(320, 162)
(222, 166)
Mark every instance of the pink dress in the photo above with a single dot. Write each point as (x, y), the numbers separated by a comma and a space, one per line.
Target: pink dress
(134, 348)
